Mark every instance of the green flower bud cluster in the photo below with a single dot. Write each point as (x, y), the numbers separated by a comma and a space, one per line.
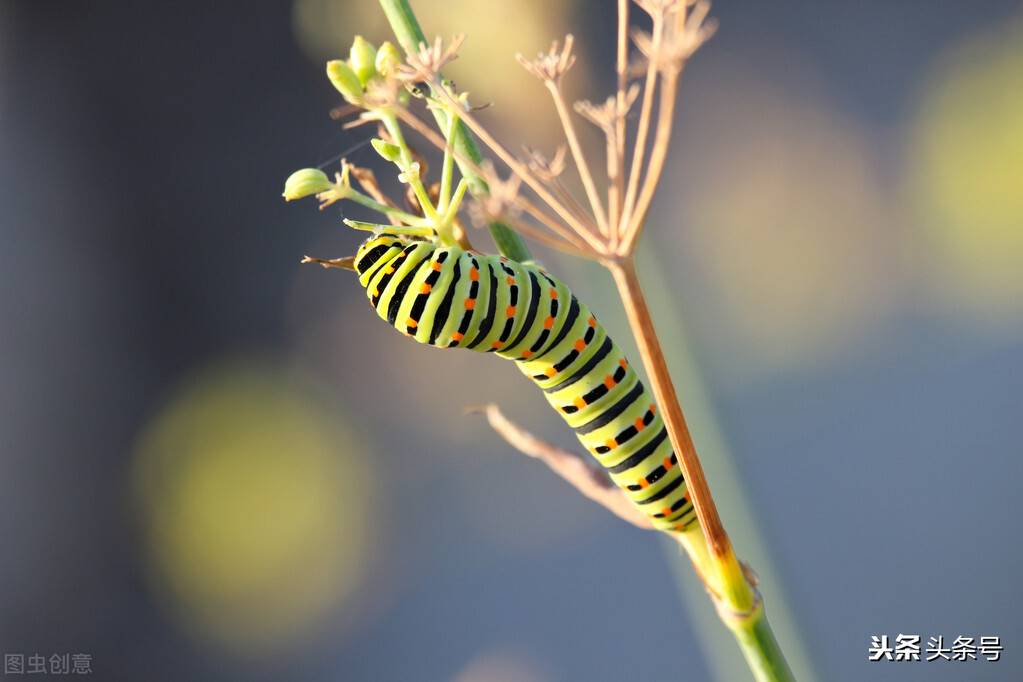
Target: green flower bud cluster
(365, 62)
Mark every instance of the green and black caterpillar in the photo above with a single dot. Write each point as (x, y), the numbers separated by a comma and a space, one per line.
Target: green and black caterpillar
(420, 279)
(448, 297)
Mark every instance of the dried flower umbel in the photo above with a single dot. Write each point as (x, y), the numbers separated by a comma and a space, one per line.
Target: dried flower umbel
(385, 88)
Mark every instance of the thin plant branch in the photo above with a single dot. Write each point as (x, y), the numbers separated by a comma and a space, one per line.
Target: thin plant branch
(609, 117)
(578, 156)
(554, 225)
(616, 161)
(568, 465)
(584, 231)
(550, 172)
(549, 68)
(552, 241)
(639, 150)
(736, 592)
(662, 139)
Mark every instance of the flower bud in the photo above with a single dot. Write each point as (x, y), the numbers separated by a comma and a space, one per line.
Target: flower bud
(388, 58)
(306, 182)
(362, 55)
(344, 79)
(388, 150)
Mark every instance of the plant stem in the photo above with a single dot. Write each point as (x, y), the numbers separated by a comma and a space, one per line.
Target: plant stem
(390, 122)
(634, 301)
(737, 602)
(765, 658)
(408, 32)
(639, 150)
(577, 155)
(447, 168)
(617, 179)
(370, 203)
(665, 120)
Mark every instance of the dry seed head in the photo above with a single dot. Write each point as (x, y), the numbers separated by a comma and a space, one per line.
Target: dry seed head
(502, 200)
(606, 115)
(677, 44)
(425, 64)
(544, 169)
(552, 65)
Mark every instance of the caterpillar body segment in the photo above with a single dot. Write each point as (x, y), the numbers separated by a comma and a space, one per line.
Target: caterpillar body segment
(451, 298)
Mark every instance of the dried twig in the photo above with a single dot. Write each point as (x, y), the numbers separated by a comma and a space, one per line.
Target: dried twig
(616, 176)
(549, 68)
(346, 263)
(568, 465)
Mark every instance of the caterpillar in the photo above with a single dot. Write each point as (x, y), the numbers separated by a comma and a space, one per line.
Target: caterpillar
(448, 297)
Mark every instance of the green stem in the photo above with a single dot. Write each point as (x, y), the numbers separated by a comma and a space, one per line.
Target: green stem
(761, 650)
(447, 169)
(390, 122)
(456, 202)
(372, 204)
(408, 32)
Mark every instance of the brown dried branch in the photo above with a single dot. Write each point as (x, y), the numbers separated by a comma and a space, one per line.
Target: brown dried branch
(550, 172)
(662, 139)
(549, 68)
(546, 169)
(639, 149)
(346, 263)
(582, 166)
(568, 465)
(616, 159)
(610, 118)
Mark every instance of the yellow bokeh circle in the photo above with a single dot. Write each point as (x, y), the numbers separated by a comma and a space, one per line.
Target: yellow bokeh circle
(255, 502)
(966, 177)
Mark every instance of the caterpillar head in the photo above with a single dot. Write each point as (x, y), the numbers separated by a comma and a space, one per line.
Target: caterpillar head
(373, 249)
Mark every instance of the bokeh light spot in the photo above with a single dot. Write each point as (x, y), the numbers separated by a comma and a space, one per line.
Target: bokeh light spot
(502, 666)
(783, 225)
(966, 176)
(255, 500)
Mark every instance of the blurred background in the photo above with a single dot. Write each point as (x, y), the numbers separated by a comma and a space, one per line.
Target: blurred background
(218, 465)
